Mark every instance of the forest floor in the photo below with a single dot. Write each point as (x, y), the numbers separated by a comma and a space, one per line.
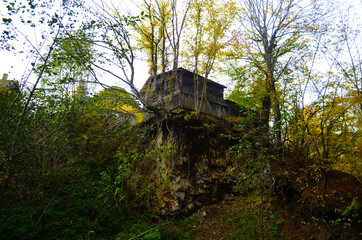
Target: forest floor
(248, 217)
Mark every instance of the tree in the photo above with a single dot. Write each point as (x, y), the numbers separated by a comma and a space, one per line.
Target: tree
(27, 135)
(178, 22)
(159, 35)
(208, 24)
(152, 35)
(163, 29)
(116, 101)
(327, 129)
(341, 50)
(272, 33)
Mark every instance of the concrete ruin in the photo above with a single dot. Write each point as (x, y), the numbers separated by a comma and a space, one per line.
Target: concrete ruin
(182, 89)
(8, 84)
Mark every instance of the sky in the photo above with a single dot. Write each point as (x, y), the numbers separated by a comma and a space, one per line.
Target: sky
(17, 66)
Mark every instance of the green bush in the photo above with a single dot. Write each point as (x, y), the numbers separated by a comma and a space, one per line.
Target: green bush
(17, 222)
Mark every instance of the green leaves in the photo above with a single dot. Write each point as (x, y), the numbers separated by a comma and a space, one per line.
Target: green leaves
(31, 4)
(10, 6)
(52, 21)
(7, 20)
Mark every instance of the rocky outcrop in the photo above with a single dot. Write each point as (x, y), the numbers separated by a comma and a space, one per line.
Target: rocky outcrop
(194, 166)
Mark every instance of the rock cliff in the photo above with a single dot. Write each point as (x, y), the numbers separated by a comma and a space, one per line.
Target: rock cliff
(194, 166)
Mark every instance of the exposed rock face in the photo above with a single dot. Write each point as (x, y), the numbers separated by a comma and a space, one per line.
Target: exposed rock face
(194, 166)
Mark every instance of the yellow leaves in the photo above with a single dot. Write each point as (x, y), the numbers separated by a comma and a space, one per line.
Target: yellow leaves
(127, 108)
(154, 31)
(116, 100)
(328, 131)
(207, 27)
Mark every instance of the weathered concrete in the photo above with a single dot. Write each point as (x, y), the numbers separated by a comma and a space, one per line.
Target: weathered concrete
(181, 88)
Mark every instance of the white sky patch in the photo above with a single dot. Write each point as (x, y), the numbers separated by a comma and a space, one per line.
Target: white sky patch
(18, 65)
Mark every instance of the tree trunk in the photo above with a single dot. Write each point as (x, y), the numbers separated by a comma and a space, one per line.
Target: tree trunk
(266, 103)
(278, 117)
(265, 112)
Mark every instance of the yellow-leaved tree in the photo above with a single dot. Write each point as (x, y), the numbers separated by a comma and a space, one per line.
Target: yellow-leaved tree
(207, 28)
(191, 34)
(116, 100)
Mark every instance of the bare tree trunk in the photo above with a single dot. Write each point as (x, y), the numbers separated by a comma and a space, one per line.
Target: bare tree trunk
(278, 117)
(265, 112)
(273, 27)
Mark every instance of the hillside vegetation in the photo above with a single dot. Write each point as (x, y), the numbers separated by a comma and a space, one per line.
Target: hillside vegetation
(102, 178)
(84, 154)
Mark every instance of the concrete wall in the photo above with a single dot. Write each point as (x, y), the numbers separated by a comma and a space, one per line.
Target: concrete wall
(176, 89)
(187, 101)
